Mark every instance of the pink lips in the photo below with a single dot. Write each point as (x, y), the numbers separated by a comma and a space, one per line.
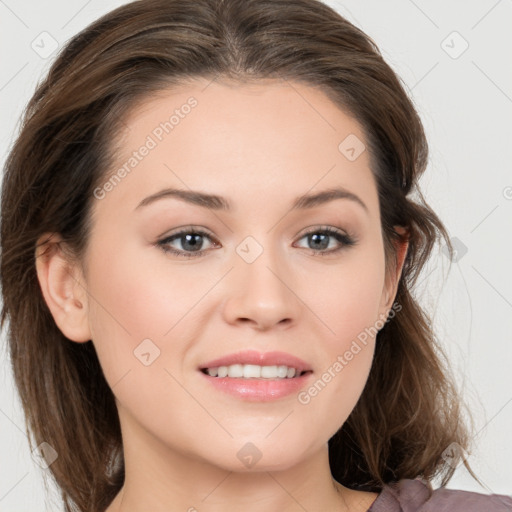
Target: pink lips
(259, 390)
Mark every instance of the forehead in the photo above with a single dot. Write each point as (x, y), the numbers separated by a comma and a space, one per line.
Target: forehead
(268, 138)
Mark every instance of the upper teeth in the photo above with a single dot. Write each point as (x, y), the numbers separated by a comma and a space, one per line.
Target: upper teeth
(252, 371)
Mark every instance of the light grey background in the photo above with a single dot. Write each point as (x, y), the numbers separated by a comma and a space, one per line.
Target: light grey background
(465, 101)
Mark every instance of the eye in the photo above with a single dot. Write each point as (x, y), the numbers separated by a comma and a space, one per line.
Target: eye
(190, 240)
(320, 239)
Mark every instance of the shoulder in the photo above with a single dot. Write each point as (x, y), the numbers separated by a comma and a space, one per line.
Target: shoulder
(417, 496)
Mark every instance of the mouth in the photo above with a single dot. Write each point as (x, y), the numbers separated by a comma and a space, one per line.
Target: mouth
(254, 371)
(252, 376)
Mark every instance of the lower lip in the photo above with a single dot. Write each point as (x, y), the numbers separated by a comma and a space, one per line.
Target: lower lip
(260, 390)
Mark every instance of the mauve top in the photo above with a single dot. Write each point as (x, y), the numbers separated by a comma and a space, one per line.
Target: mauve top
(415, 496)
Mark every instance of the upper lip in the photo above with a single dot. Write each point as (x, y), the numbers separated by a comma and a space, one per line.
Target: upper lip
(261, 359)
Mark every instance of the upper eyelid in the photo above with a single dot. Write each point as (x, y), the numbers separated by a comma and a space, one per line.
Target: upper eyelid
(204, 231)
(184, 231)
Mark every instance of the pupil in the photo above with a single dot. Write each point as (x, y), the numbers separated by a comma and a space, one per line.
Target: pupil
(191, 239)
(325, 241)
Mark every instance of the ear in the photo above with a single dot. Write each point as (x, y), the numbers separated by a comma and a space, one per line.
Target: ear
(63, 287)
(393, 277)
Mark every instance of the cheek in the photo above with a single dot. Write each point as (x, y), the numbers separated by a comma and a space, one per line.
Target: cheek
(349, 310)
(135, 296)
(338, 384)
(126, 307)
(348, 298)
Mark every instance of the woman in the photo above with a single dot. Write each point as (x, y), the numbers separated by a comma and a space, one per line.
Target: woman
(208, 252)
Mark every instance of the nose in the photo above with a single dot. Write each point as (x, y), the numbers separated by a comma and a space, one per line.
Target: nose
(262, 293)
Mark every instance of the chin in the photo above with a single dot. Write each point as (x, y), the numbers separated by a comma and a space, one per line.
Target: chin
(260, 454)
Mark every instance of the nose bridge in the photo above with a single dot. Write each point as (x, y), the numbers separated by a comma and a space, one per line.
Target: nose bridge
(260, 266)
(261, 290)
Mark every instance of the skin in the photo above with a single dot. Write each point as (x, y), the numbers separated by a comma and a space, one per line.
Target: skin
(260, 146)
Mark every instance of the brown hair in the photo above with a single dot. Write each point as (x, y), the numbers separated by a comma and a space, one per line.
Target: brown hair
(409, 411)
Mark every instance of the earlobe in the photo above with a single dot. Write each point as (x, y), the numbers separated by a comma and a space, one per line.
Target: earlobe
(63, 288)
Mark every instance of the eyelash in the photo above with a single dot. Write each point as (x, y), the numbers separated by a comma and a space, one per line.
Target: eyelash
(347, 241)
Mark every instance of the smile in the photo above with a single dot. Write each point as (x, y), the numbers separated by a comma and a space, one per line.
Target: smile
(253, 371)
(257, 377)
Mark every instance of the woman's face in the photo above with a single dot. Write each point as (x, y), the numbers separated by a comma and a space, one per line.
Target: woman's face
(256, 279)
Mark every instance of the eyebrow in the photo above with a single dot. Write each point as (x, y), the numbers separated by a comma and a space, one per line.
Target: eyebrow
(215, 202)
